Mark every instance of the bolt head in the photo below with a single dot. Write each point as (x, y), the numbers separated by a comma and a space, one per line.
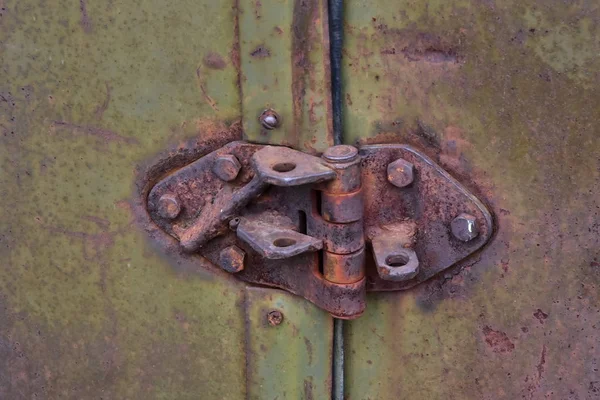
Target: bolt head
(465, 227)
(168, 206)
(227, 167)
(275, 317)
(269, 119)
(400, 173)
(231, 259)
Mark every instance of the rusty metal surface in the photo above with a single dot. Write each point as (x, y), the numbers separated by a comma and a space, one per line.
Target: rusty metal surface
(206, 199)
(284, 62)
(284, 206)
(504, 94)
(422, 211)
(394, 261)
(274, 242)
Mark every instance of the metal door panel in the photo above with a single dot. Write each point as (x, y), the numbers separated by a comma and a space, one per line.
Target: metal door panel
(504, 95)
(90, 93)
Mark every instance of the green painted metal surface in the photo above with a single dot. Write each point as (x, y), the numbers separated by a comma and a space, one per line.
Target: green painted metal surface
(291, 360)
(284, 56)
(504, 95)
(90, 307)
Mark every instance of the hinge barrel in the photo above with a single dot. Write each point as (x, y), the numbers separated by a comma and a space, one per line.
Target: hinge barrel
(342, 208)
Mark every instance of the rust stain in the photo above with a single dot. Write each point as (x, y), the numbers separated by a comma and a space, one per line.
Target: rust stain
(497, 340)
(211, 102)
(534, 382)
(419, 46)
(99, 113)
(540, 366)
(86, 22)
(95, 244)
(213, 60)
(303, 37)
(257, 9)
(308, 389)
(105, 134)
(540, 315)
(309, 350)
(102, 223)
(261, 51)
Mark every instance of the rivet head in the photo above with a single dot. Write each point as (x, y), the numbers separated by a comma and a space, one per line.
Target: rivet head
(400, 173)
(464, 227)
(341, 153)
(275, 317)
(168, 206)
(231, 259)
(227, 167)
(269, 119)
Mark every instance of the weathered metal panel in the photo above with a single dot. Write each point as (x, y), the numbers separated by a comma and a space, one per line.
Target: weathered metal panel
(504, 95)
(289, 346)
(284, 56)
(89, 307)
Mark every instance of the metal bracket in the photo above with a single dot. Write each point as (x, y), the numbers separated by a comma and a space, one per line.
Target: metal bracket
(328, 229)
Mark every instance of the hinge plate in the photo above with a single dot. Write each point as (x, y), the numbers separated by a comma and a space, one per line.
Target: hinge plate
(323, 228)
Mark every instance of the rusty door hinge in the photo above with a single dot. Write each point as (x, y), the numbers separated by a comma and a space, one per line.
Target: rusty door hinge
(385, 217)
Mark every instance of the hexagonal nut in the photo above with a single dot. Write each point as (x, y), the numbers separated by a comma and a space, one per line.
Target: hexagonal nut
(168, 206)
(227, 167)
(464, 227)
(231, 259)
(400, 173)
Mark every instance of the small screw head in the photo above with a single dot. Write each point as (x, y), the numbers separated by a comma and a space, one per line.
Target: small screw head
(233, 223)
(400, 173)
(231, 259)
(227, 167)
(341, 153)
(168, 206)
(269, 119)
(464, 227)
(275, 317)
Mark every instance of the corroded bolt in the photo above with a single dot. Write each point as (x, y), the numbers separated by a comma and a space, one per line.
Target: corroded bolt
(168, 206)
(464, 227)
(400, 173)
(231, 259)
(269, 119)
(227, 167)
(341, 153)
(275, 317)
